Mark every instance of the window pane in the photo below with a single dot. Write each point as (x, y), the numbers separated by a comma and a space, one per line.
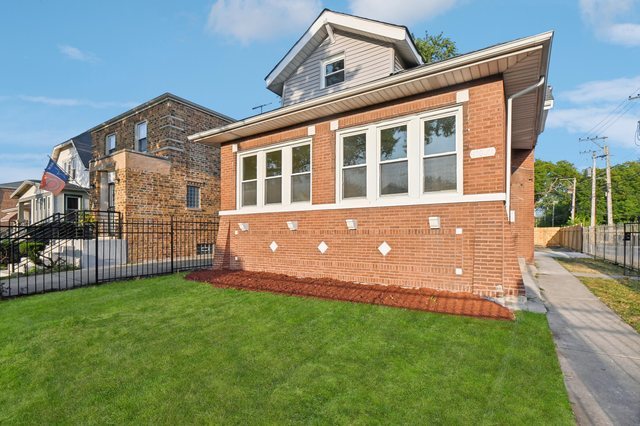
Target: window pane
(334, 78)
(440, 135)
(273, 188)
(142, 130)
(142, 145)
(334, 66)
(249, 193)
(301, 187)
(393, 178)
(354, 150)
(193, 197)
(249, 167)
(301, 159)
(354, 182)
(440, 173)
(393, 143)
(274, 163)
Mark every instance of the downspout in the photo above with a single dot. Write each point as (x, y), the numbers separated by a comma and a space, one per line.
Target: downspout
(508, 151)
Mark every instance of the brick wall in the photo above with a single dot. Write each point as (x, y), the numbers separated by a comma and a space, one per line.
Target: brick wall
(5, 201)
(485, 250)
(150, 192)
(522, 201)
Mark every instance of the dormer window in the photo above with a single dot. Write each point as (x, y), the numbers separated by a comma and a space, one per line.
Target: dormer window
(333, 71)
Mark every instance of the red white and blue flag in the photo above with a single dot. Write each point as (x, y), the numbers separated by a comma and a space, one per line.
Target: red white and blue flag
(54, 178)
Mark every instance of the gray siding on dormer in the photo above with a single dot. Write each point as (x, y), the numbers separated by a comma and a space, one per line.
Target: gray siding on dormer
(397, 63)
(364, 60)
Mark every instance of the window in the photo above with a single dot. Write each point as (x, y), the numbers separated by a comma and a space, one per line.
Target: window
(193, 197)
(204, 248)
(394, 165)
(273, 177)
(301, 173)
(72, 203)
(439, 155)
(333, 71)
(354, 166)
(250, 180)
(141, 137)
(401, 160)
(110, 144)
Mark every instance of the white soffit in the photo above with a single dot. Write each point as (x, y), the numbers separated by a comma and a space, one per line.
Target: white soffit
(317, 32)
(522, 62)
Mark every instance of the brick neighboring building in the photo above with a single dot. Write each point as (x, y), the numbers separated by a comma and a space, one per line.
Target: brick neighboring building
(8, 208)
(381, 169)
(145, 167)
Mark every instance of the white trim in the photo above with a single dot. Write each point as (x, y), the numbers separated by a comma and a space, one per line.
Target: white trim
(414, 158)
(261, 178)
(364, 204)
(323, 69)
(328, 17)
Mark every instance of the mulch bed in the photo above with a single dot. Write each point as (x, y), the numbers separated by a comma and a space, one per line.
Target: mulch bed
(417, 299)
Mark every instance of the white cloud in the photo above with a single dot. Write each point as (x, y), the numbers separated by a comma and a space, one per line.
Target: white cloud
(604, 17)
(251, 20)
(400, 12)
(72, 102)
(607, 91)
(599, 108)
(77, 54)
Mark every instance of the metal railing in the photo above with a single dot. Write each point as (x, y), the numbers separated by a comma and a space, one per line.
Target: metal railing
(619, 244)
(91, 247)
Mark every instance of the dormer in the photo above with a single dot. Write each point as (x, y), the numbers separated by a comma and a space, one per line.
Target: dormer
(340, 51)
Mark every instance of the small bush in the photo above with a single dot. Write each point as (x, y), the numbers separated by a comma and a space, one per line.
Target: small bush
(33, 251)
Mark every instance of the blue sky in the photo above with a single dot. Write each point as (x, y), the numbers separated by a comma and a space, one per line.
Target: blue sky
(69, 65)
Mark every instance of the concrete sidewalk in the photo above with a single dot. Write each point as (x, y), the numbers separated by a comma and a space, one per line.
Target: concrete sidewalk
(599, 354)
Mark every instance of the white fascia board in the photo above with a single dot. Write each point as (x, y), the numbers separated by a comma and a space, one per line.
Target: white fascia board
(19, 191)
(337, 19)
(496, 52)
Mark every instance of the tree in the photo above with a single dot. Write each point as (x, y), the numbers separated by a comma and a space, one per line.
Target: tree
(435, 48)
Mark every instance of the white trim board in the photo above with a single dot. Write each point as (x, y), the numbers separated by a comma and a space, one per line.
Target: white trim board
(363, 204)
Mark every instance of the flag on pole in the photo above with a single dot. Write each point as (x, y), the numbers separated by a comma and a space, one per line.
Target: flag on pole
(54, 178)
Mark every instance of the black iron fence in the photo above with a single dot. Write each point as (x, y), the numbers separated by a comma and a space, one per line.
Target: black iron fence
(92, 247)
(619, 244)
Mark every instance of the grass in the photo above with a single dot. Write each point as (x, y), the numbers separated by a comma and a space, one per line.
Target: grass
(166, 350)
(622, 295)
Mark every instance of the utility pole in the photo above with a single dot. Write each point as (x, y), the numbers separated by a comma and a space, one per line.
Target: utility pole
(609, 194)
(573, 201)
(593, 190)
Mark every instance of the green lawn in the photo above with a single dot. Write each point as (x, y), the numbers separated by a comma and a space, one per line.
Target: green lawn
(170, 351)
(622, 295)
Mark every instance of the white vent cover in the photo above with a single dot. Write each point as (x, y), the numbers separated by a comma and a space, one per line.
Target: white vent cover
(243, 226)
(384, 248)
(323, 247)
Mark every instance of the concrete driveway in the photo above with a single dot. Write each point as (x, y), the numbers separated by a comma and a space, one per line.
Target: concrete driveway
(599, 353)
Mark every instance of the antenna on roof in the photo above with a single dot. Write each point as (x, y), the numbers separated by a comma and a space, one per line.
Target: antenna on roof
(261, 107)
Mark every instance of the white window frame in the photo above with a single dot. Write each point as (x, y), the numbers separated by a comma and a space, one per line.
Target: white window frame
(379, 162)
(261, 176)
(242, 181)
(415, 155)
(108, 151)
(323, 70)
(137, 135)
(340, 162)
(310, 172)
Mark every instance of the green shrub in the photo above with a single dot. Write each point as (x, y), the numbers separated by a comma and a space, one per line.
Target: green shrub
(33, 250)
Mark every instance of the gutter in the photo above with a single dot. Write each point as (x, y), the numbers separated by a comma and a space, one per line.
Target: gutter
(508, 150)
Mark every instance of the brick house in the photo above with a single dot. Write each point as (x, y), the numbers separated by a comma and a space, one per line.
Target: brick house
(8, 208)
(145, 167)
(381, 169)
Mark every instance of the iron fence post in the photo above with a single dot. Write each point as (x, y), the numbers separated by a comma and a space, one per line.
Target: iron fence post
(171, 244)
(96, 252)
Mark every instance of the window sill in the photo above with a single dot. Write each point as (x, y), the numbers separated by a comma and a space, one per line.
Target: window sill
(449, 198)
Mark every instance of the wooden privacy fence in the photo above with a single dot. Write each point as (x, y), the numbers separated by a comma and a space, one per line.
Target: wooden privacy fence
(570, 237)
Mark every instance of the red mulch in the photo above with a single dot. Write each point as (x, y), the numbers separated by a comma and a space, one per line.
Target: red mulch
(418, 299)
